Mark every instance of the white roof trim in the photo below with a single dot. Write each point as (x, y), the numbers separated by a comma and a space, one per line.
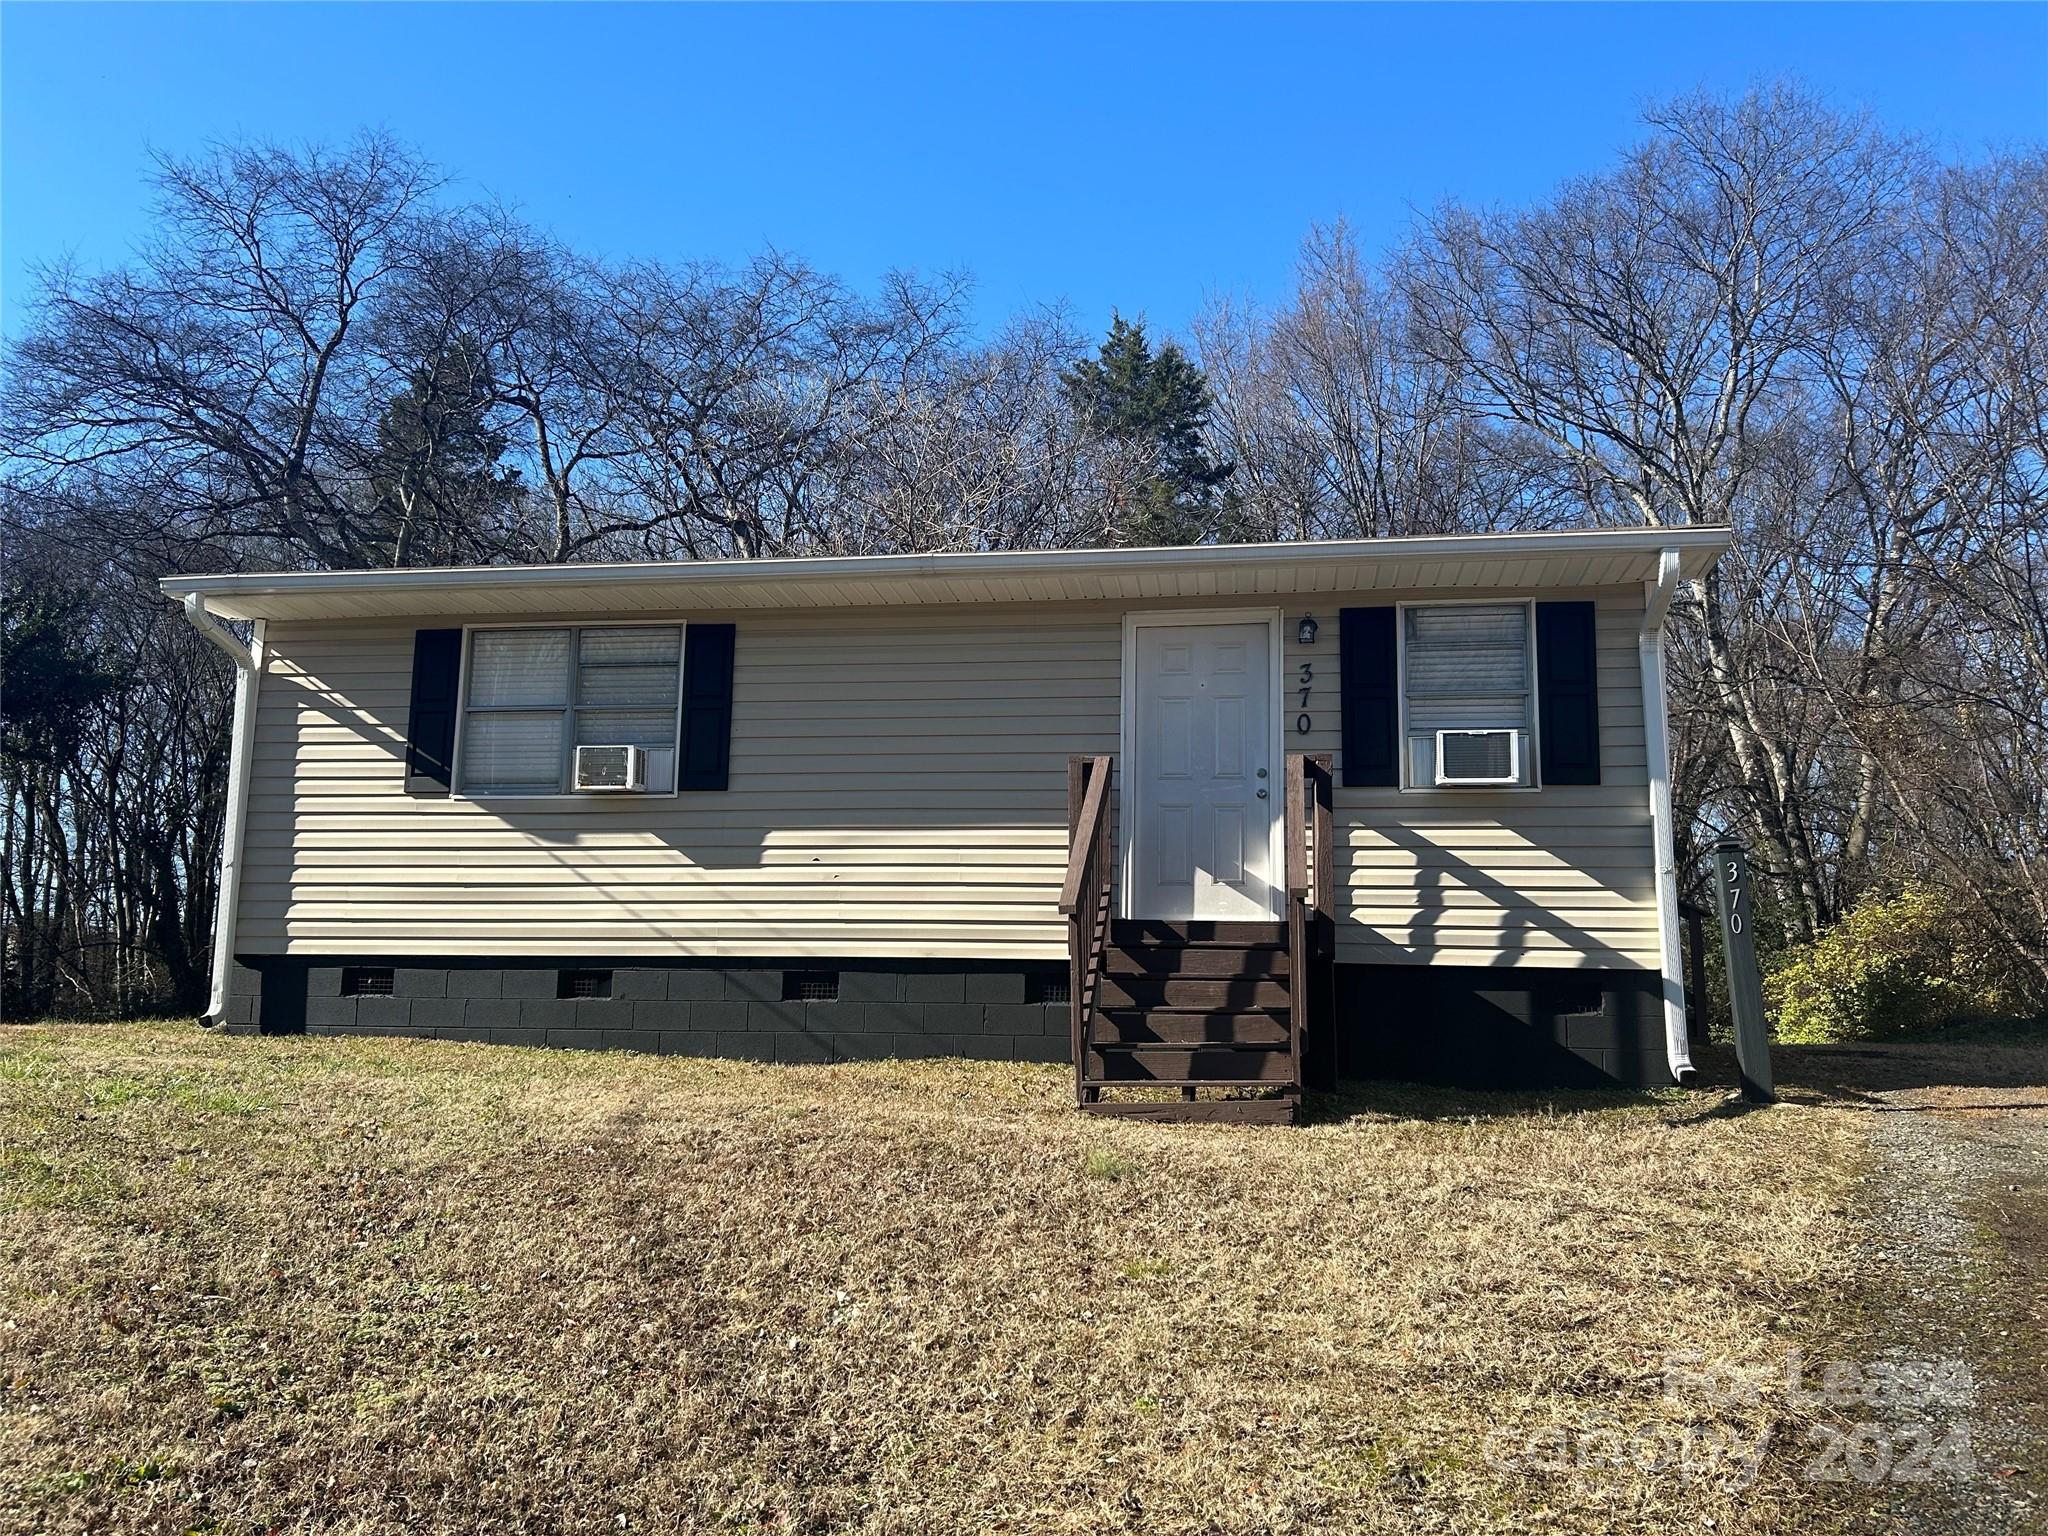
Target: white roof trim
(1595, 557)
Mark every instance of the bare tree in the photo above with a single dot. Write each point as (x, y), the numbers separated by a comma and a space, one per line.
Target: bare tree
(983, 454)
(222, 376)
(1923, 595)
(1646, 325)
(1345, 427)
(742, 392)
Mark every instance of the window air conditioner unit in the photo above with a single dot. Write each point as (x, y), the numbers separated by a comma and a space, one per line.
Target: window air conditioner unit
(611, 770)
(1478, 757)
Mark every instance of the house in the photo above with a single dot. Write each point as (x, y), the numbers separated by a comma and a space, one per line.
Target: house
(1249, 816)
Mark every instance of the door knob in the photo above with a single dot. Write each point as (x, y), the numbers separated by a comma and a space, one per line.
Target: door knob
(1262, 791)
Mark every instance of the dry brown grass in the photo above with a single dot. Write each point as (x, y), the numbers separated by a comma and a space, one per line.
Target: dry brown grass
(362, 1285)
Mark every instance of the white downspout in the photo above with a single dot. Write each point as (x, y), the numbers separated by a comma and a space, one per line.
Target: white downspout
(241, 745)
(1657, 749)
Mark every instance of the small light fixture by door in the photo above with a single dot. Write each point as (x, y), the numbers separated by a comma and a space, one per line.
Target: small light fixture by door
(1305, 631)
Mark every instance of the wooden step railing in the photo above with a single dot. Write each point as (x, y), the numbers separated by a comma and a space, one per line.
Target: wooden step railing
(1310, 836)
(1085, 900)
(1168, 1009)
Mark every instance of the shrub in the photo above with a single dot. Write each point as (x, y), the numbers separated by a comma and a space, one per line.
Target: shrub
(1894, 966)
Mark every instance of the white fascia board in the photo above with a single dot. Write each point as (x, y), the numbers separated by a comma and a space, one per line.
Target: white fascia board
(793, 580)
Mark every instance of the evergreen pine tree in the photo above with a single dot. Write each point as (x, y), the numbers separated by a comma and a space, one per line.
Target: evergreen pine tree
(1159, 401)
(437, 482)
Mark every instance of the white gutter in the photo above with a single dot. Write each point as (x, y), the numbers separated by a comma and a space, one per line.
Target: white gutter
(1664, 838)
(799, 572)
(248, 674)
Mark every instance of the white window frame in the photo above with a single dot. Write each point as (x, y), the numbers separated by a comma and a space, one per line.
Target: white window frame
(565, 795)
(1408, 786)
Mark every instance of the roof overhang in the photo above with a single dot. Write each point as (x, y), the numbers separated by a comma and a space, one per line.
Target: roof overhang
(1590, 558)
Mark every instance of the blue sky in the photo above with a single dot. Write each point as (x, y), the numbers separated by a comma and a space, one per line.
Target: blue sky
(1139, 157)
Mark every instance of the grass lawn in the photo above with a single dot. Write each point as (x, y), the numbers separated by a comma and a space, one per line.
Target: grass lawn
(261, 1285)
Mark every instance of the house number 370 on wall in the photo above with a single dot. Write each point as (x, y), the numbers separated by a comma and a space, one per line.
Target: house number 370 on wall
(1302, 723)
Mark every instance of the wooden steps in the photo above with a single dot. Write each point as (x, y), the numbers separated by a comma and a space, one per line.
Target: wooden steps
(1208, 994)
(1193, 1007)
(1173, 1026)
(1214, 961)
(1198, 1020)
(1266, 1111)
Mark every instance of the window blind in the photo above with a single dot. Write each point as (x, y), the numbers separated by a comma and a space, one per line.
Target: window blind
(519, 669)
(507, 753)
(1464, 665)
(532, 694)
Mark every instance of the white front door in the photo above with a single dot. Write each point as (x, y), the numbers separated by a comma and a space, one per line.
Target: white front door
(1203, 787)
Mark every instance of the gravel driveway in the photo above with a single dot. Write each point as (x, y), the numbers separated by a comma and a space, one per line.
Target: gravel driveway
(1954, 1264)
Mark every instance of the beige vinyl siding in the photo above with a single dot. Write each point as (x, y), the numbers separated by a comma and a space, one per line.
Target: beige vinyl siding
(1548, 877)
(898, 790)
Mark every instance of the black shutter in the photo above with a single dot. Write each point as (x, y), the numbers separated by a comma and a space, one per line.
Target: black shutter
(1372, 708)
(707, 707)
(1568, 691)
(430, 722)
